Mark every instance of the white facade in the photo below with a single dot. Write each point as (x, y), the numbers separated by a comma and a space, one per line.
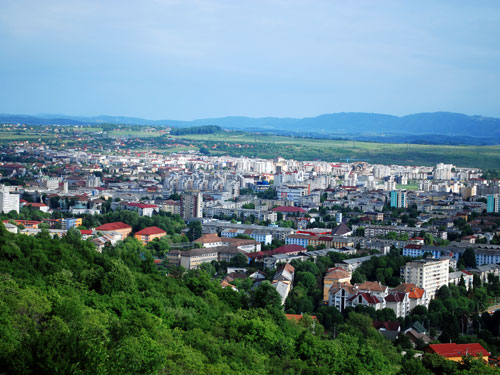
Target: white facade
(429, 274)
(8, 202)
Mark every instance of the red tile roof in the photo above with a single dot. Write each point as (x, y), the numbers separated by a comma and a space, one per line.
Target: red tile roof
(458, 350)
(413, 246)
(86, 232)
(395, 297)
(113, 226)
(389, 326)
(288, 209)
(413, 291)
(150, 230)
(371, 299)
(285, 249)
(142, 205)
(32, 204)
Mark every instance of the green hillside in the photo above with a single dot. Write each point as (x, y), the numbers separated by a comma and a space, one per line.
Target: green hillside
(270, 146)
(66, 309)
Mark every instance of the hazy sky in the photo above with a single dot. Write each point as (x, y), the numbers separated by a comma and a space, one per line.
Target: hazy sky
(182, 59)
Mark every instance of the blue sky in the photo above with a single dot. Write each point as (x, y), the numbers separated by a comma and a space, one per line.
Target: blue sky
(182, 59)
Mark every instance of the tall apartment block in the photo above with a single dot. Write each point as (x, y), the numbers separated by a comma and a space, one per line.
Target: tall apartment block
(8, 202)
(191, 205)
(398, 199)
(493, 203)
(429, 274)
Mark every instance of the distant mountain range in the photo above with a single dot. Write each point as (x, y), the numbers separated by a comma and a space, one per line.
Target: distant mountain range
(370, 126)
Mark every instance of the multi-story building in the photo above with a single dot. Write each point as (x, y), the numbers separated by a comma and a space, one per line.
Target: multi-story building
(399, 199)
(149, 234)
(191, 259)
(382, 230)
(117, 227)
(455, 278)
(276, 232)
(443, 171)
(429, 274)
(485, 253)
(493, 204)
(8, 202)
(191, 205)
(265, 238)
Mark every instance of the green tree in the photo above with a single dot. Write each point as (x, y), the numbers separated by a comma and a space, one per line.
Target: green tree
(468, 258)
(265, 296)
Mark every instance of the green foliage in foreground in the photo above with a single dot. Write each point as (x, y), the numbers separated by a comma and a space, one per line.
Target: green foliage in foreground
(66, 309)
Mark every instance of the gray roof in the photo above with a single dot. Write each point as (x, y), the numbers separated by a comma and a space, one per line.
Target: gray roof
(361, 259)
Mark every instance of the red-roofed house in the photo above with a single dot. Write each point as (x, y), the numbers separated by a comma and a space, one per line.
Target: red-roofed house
(366, 299)
(118, 227)
(399, 302)
(455, 352)
(86, 233)
(149, 234)
(390, 330)
(38, 206)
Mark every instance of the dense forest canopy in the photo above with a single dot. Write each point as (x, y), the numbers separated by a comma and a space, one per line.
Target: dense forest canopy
(67, 309)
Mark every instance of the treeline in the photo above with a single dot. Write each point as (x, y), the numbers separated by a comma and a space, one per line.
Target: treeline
(207, 129)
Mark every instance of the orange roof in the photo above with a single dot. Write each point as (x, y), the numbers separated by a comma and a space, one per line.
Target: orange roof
(371, 286)
(289, 268)
(149, 231)
(297, 317)
(209, 238)
(337, 273)
(413, 291)
(33, 204)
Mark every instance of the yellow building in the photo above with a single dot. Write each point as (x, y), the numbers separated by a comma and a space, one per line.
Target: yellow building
(149, 234)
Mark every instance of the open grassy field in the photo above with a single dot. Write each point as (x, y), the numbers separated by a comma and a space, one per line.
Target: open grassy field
(21, 136)
(269, 146)
(407, 187)
(133, 134)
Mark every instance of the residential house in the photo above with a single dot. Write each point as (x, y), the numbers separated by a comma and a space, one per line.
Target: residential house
(390, 330)
(416, 295)
(283, 281)
(399, 302)
(456, 352)
(333, 276)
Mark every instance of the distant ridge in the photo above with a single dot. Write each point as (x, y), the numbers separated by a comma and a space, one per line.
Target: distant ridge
(344, 123)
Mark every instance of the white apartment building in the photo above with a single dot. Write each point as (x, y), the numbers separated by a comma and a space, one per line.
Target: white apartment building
(8, 202)
(429, 274)
(443, 171)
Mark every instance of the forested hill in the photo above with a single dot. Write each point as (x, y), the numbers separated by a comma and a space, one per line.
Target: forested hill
(343, 123)
(66, 309)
